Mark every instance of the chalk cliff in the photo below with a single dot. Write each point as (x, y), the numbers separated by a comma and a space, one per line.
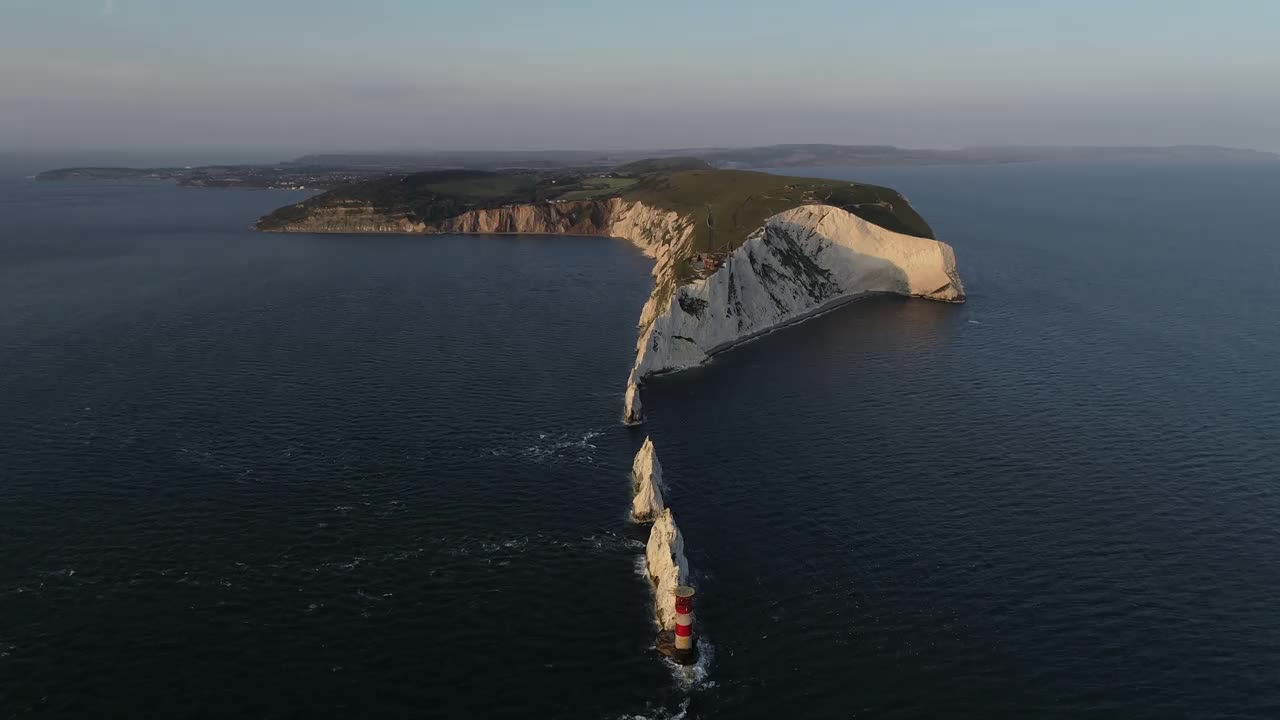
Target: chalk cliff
(802, 261)
(667, 566)
(586, 217)
(646, 473)
(799, 262)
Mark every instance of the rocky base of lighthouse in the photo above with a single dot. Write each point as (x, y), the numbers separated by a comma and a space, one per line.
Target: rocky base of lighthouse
(666, 644)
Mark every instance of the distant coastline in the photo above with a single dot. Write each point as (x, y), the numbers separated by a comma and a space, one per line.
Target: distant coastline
(327, 171)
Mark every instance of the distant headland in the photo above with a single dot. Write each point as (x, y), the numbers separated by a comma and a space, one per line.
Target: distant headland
(737, 253)
(325, 171)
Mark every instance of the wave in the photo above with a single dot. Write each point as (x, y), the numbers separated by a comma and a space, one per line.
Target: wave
(469, 545)
(698, 675)
(552, 448)
(679, 713)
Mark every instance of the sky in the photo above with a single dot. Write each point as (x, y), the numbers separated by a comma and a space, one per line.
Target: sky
(293, 76)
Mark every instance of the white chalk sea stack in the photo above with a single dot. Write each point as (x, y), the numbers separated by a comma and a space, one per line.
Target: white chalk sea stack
(646, 473)
(667, 567)
(632, 408)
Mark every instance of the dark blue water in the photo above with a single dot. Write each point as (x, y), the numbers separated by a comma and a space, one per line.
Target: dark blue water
(322, 476)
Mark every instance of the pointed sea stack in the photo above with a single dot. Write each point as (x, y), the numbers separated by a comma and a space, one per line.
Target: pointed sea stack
(646, 473)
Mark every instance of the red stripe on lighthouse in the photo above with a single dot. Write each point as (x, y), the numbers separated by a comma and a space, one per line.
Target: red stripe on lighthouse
(684, 630)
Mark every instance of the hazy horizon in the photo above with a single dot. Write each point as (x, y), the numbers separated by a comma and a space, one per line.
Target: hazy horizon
(396, 76)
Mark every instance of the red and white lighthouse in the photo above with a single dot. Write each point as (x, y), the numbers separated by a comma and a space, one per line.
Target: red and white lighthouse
(684, 624)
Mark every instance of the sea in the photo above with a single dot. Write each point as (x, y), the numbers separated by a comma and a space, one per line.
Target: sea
(326, 476)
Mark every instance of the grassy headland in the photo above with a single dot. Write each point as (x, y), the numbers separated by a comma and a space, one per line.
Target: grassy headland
(727, 205)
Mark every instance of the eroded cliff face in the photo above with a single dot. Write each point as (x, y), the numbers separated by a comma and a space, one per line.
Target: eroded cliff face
(587, 217)
(801, 262)
(666, 236)
(646, 473)
(343, 218)
(667, 567)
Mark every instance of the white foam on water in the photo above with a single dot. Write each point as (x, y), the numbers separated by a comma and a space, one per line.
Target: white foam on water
(698, 675)
(641, 567)
(548, 448)
(609, 541)
(404, 554)
(604, 542)
(660, 713)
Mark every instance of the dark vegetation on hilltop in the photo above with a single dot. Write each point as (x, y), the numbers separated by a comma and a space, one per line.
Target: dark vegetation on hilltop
(654, 165)
(726, 204)
(441, 194)
(730, 204)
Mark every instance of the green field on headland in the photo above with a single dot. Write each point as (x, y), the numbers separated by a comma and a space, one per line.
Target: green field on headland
(727, 204)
